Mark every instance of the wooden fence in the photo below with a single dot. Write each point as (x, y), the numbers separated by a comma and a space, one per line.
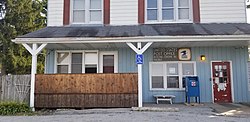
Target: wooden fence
(15, 88)
(86, 90)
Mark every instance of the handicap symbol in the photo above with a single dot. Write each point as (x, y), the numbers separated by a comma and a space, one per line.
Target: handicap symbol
(139, 59)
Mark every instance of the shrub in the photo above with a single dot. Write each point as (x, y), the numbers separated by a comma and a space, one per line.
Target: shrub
(14, 108)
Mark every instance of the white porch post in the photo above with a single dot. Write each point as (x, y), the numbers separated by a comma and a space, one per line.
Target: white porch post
(139, 50)
(34, 52)
(139, 79)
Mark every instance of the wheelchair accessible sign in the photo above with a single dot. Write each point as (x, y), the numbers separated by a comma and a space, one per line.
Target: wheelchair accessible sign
(139, 59)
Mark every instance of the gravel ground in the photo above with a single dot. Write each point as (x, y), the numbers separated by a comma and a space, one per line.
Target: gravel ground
(185, 114)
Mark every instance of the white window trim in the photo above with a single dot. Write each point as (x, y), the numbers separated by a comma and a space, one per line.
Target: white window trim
(159, 12)
(115, 53)
(165, 74)
(70, 56)
(87, 14)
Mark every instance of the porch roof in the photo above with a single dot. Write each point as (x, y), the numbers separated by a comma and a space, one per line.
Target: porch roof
(184, 29)
(203, 34)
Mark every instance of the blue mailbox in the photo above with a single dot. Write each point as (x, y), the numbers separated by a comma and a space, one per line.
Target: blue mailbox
(192, 88)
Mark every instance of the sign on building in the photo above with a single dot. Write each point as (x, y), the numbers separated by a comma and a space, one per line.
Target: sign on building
(165, 54)
(171, 54)
(139, 59)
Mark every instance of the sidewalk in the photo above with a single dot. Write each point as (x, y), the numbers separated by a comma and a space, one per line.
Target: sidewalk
(222, 109)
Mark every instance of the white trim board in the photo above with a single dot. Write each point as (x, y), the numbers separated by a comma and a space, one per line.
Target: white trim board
(102, 53)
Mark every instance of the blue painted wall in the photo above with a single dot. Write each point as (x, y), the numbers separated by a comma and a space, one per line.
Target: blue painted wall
(238, 56)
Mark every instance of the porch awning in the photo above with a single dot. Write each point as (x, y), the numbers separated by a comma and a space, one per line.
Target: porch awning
(139, 33)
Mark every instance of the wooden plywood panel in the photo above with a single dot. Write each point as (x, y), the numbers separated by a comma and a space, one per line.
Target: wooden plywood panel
(85, 90)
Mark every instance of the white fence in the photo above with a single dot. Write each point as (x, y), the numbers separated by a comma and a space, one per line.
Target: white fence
(15, 88)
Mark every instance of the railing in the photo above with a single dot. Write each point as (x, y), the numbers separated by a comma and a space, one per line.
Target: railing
(86, 90)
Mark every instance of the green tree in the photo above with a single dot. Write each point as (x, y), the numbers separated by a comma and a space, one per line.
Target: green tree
(21, 17)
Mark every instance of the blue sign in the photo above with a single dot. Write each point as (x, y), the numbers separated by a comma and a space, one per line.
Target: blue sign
(139, 59)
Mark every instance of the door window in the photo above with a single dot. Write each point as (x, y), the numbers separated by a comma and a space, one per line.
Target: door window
(108, 64)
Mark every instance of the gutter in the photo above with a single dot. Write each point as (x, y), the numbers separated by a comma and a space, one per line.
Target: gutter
(66, 40)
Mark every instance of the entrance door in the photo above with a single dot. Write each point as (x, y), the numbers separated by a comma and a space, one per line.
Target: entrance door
(222, 82)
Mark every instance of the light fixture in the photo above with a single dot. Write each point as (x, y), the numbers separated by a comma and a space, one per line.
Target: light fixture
(203, 57)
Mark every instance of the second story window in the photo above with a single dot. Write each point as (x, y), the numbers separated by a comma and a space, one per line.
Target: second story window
(87, 11)
(168, 11)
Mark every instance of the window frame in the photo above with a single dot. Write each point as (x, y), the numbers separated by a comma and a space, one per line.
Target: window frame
(61, 64)
(70, 61)
(180, 72)
(87, 13)
(166, 74)
(150, 76)
(71, 58)
(176, 13)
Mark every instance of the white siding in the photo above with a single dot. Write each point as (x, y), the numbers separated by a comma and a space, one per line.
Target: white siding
(55, 12)
(248, 15)
(123, 12)
(222, 11)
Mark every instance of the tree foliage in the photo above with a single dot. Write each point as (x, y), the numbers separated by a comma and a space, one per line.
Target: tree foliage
(21, 17)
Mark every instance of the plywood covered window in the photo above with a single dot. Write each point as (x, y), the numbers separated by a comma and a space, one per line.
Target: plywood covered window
(87, 11)
(170, 75)
(168, 11)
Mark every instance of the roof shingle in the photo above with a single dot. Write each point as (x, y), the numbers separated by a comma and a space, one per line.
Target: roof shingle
(180, 29)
